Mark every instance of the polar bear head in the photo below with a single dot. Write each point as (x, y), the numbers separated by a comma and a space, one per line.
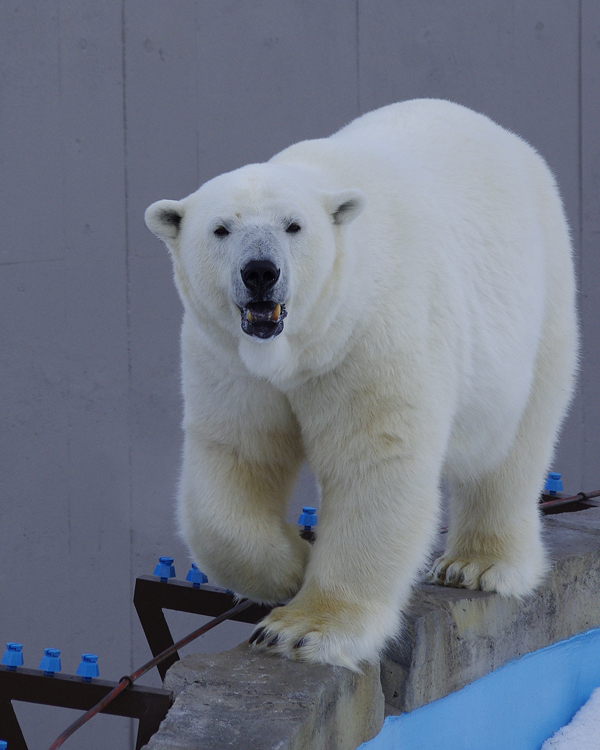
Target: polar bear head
(254, 249)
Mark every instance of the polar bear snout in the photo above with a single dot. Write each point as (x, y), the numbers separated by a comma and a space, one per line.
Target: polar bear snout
(260, 276)
(263, 311)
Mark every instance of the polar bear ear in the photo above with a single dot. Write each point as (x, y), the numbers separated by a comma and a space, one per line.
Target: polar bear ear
(345, 206)
(163, 219)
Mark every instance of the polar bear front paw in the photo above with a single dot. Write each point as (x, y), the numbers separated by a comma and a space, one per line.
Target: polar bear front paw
(505, 578)
(321, 630)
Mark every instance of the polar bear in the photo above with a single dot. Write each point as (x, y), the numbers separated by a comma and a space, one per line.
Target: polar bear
(393, 305)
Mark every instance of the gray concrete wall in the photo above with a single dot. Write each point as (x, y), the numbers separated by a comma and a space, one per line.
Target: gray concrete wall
(106, 107)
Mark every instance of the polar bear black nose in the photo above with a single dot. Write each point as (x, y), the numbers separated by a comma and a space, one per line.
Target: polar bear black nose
(260, 275)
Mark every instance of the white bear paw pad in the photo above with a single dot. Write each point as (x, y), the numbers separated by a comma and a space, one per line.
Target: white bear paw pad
(483, 574)
(301, 637)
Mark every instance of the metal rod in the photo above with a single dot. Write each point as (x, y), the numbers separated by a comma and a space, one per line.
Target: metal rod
(125, 682)
(151, 597)
(580, 496)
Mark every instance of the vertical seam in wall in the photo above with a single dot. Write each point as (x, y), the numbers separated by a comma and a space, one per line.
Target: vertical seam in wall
(128, 338)
(580, 124)
(65, 253)
(581, 243)
(197, 88)
(513, 59)
(358, 56)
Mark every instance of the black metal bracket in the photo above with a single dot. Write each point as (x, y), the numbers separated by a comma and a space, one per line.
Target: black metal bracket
(149, 705)
(151, 596)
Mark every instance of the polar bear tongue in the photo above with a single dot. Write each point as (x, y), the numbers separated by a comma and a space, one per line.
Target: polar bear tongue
(263, 319)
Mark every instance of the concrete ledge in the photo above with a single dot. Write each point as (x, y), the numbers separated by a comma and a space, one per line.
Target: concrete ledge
(242, 700)
(238, 699)
(453, 637)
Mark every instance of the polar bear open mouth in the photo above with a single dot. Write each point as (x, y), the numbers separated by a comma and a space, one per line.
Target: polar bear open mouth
(263, 319)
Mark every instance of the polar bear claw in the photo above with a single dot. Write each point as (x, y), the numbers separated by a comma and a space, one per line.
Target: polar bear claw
(505, 578)
(328, 632)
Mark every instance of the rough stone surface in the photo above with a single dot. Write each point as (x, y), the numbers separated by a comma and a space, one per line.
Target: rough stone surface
(248, 701)
(588, 520)
(453, 636)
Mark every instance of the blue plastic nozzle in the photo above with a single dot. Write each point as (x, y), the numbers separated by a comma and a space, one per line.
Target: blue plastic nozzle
(196, 576)
(51, 661)
(308, 518)
(13, 656)
(553, 483)
(165, 569)
(88, 667)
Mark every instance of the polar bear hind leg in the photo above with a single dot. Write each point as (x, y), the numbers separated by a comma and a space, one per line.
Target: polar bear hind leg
(494, 540)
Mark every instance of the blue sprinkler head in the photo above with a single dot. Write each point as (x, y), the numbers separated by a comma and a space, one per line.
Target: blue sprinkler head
(165, 569)
(196, 576)
(50, 661)
(308, 518)
(13, 656)
(88, 667)
(553, 483)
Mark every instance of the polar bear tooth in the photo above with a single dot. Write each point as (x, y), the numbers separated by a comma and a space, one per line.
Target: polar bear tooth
(249, 317)
(276, 312)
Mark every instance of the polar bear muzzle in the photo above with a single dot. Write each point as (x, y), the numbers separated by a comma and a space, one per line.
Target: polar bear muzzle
(262, 316)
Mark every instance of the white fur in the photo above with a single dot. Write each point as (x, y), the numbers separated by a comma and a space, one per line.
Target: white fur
(431, 332)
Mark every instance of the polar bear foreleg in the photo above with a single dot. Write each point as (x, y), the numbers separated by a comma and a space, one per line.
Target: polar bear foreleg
(232, 515)
(374, 533)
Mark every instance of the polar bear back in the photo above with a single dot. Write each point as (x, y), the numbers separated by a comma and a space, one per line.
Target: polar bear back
(470, 214)
(443, 167)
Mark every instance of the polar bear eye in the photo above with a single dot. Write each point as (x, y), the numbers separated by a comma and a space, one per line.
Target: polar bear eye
(293, 228)
(221, 231)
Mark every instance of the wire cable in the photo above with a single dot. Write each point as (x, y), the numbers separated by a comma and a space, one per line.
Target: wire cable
(125, 682)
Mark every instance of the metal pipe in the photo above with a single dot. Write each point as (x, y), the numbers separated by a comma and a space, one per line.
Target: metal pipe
(580, 496)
